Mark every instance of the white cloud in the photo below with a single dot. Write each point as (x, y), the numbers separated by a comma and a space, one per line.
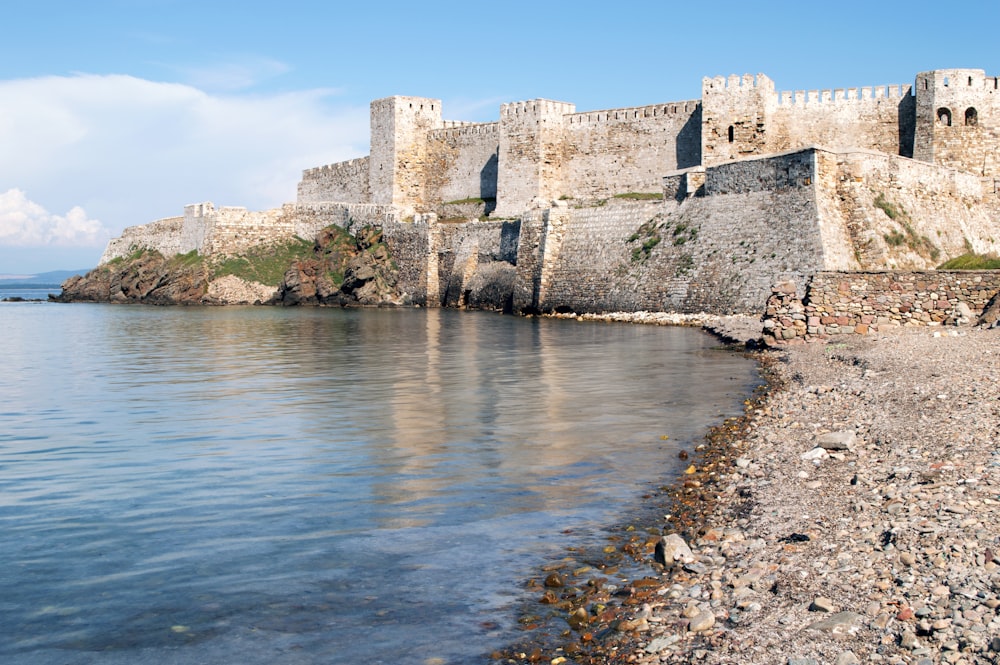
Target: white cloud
(233, 75)
(25, 223)
(129, 150)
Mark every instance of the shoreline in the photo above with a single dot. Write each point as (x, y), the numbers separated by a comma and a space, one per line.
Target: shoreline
(852, 515)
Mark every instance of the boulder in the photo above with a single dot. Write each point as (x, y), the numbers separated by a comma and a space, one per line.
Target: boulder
(991, 313)
(842, 440)
(672, 550)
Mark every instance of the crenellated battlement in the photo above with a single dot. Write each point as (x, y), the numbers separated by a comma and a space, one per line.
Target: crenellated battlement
(737, 83)
(456, 129)
(536, 107)
(845, 95)
(675, 109)
(541, 150)
(350, 167)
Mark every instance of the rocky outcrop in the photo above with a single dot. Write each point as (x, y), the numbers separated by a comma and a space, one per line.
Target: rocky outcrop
(232, 290)
(146, 277)
(340, 269)
(344, 271)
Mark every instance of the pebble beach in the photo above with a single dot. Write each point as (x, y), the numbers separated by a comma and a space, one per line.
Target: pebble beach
(852, 516)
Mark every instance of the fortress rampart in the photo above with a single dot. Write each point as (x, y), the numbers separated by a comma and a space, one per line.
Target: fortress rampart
(696, 205)
(540, 150)
(346, 181)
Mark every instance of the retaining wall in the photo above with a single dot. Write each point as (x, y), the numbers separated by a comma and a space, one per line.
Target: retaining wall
(837, 303)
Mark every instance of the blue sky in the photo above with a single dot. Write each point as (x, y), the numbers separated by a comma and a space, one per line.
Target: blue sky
(115, 113)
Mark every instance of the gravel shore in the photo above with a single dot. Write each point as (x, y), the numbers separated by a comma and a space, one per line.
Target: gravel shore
(856, 519)
(853, 516)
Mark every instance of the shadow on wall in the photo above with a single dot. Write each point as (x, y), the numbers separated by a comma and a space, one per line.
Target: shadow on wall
(907, 123)
(510, 234)
(488, 182)
(688, 146)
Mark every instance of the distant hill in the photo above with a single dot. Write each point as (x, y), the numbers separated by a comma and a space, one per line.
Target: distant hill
(54, 277)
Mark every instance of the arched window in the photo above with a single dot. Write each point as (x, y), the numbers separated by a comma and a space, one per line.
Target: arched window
(971, 117)
(946, 81)
(732, 133)
(944, 116)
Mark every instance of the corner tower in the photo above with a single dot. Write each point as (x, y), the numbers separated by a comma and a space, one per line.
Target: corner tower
(958, 120)
(399, 127)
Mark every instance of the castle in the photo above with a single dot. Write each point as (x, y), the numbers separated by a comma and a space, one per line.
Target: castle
(689, 205)
(543, 150)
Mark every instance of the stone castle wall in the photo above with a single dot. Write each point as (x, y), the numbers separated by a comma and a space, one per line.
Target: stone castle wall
(880, 118)
(345, 181)
(531, 154)
(164, 235)
(399, 129)
(462, 162)
(714, 253)
(837, 303)
(745, 201)
(628, 150)
(542, 150)
(231, 230)
(309, 218)
(958, 113)
(738, 227)
(904, 214)
(745, 117)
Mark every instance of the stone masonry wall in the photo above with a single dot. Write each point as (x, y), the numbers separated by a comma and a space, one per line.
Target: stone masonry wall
(715, 253)
(163, 235)
(735, 117)
(874, 118)
(837, 303)
(310, 218)
(544, 150)
(207, 229)
(531, 154)
(959, 120)
(462, 162)
(629, 150)
(344, 181)
(232, 230)
(901, 213)
(467, 249)
(399, 128)
(744, 117)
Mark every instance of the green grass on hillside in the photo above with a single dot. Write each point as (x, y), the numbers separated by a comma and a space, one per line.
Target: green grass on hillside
(266, 264)
(972, 261)
(641, 196)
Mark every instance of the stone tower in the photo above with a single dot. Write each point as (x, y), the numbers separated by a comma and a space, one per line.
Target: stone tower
(531, 154)
(399, 127)
(958, 120)
(735, 117)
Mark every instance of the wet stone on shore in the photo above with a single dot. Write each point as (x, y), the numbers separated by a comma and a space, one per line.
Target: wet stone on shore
(882, 547)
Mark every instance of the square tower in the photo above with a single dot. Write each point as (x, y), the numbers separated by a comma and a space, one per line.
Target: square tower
(735, 117)
(531, 154)
(958, 118)
(399, 127)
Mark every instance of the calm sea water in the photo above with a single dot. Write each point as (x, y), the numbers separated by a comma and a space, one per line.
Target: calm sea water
(264, 485)
(28, 292)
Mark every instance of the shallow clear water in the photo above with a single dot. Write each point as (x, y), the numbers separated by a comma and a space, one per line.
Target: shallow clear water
(264, 485)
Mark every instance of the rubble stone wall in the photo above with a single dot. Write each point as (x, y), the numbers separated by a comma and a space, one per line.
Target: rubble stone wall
(837, 303)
